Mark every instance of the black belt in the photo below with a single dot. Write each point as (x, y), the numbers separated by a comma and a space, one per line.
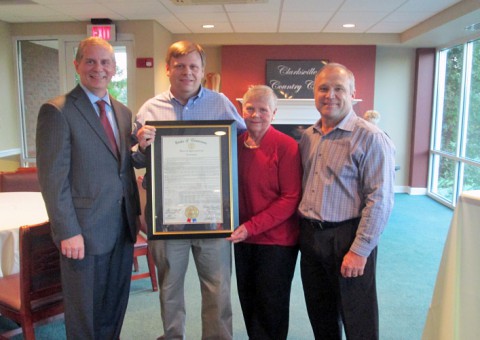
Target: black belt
(322, 225)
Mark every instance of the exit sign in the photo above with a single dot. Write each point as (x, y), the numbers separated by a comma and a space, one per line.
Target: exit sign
(106, 32)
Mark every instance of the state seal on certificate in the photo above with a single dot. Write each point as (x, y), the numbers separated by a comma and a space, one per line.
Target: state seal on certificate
(191, 213)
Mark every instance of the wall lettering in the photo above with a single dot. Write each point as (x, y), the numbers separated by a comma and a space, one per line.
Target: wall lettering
(292, 79)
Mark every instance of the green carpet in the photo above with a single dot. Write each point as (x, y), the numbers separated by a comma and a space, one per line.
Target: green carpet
(409, 255)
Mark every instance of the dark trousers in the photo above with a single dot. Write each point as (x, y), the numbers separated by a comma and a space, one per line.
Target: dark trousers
(331, 299)
(264, 280)
(96, 291)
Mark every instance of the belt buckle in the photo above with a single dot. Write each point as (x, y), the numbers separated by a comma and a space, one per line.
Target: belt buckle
(320, 225)
(316, 224)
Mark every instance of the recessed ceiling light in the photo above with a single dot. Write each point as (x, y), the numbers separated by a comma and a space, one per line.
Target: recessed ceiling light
(208, 26)
(348, 25)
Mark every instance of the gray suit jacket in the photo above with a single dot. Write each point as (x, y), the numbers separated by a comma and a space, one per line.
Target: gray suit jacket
(86, 189)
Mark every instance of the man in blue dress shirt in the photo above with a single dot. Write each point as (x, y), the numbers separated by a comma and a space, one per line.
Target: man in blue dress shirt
(188, 100)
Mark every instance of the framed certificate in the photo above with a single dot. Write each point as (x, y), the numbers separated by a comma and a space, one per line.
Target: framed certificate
(192, 189)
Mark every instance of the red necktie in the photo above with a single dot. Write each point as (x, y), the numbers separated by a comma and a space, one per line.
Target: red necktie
(107, 126)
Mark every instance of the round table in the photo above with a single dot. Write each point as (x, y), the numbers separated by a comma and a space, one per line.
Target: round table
(455, 306)
(17, 209)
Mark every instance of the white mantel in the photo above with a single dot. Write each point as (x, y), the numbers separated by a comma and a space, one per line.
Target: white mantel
(296, 111)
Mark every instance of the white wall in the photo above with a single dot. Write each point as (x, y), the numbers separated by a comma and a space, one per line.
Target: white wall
(9, 124)
(394, 76)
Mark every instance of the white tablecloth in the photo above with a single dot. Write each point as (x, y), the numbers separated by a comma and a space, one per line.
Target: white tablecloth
(455, 309)
(17, 209)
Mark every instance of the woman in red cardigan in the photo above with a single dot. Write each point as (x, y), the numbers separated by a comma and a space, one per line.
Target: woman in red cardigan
(270, 184)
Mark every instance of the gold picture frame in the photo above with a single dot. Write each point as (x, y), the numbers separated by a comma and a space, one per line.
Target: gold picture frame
(192, 183)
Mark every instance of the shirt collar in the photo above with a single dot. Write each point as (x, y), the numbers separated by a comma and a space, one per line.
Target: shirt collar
(346, 124)
(93, 98)
(194, 98)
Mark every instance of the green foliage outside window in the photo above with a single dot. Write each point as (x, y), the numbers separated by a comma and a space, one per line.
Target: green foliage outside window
(451, 108)
(118, 86)
(473, 131)
(460, 122)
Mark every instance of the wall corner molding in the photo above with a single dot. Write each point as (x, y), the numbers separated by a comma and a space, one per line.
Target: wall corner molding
(10, 152)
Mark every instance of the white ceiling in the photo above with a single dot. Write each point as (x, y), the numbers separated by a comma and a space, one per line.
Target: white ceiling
(268, 16)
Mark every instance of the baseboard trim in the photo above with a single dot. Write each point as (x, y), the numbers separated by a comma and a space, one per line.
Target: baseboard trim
(399, 189)
(417, 191)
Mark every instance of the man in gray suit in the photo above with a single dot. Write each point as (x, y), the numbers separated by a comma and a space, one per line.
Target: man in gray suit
(89, 188)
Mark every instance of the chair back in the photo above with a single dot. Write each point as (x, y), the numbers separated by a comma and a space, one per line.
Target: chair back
(142, 192)
(23, 179)
(141, 247)
(39, 267)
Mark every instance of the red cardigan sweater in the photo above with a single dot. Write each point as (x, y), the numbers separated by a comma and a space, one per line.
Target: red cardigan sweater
(270, 188)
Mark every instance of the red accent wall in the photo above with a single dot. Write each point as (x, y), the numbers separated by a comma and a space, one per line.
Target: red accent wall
(422, 117)
(244, 65)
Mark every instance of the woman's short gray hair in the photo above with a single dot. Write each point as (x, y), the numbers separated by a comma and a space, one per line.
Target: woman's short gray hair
(261, 91)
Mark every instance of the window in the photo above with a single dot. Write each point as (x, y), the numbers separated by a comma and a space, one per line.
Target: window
(455, 151)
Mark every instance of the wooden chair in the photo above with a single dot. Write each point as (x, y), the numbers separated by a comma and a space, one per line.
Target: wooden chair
(141, 246)
(23, 179)
(35, 293)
